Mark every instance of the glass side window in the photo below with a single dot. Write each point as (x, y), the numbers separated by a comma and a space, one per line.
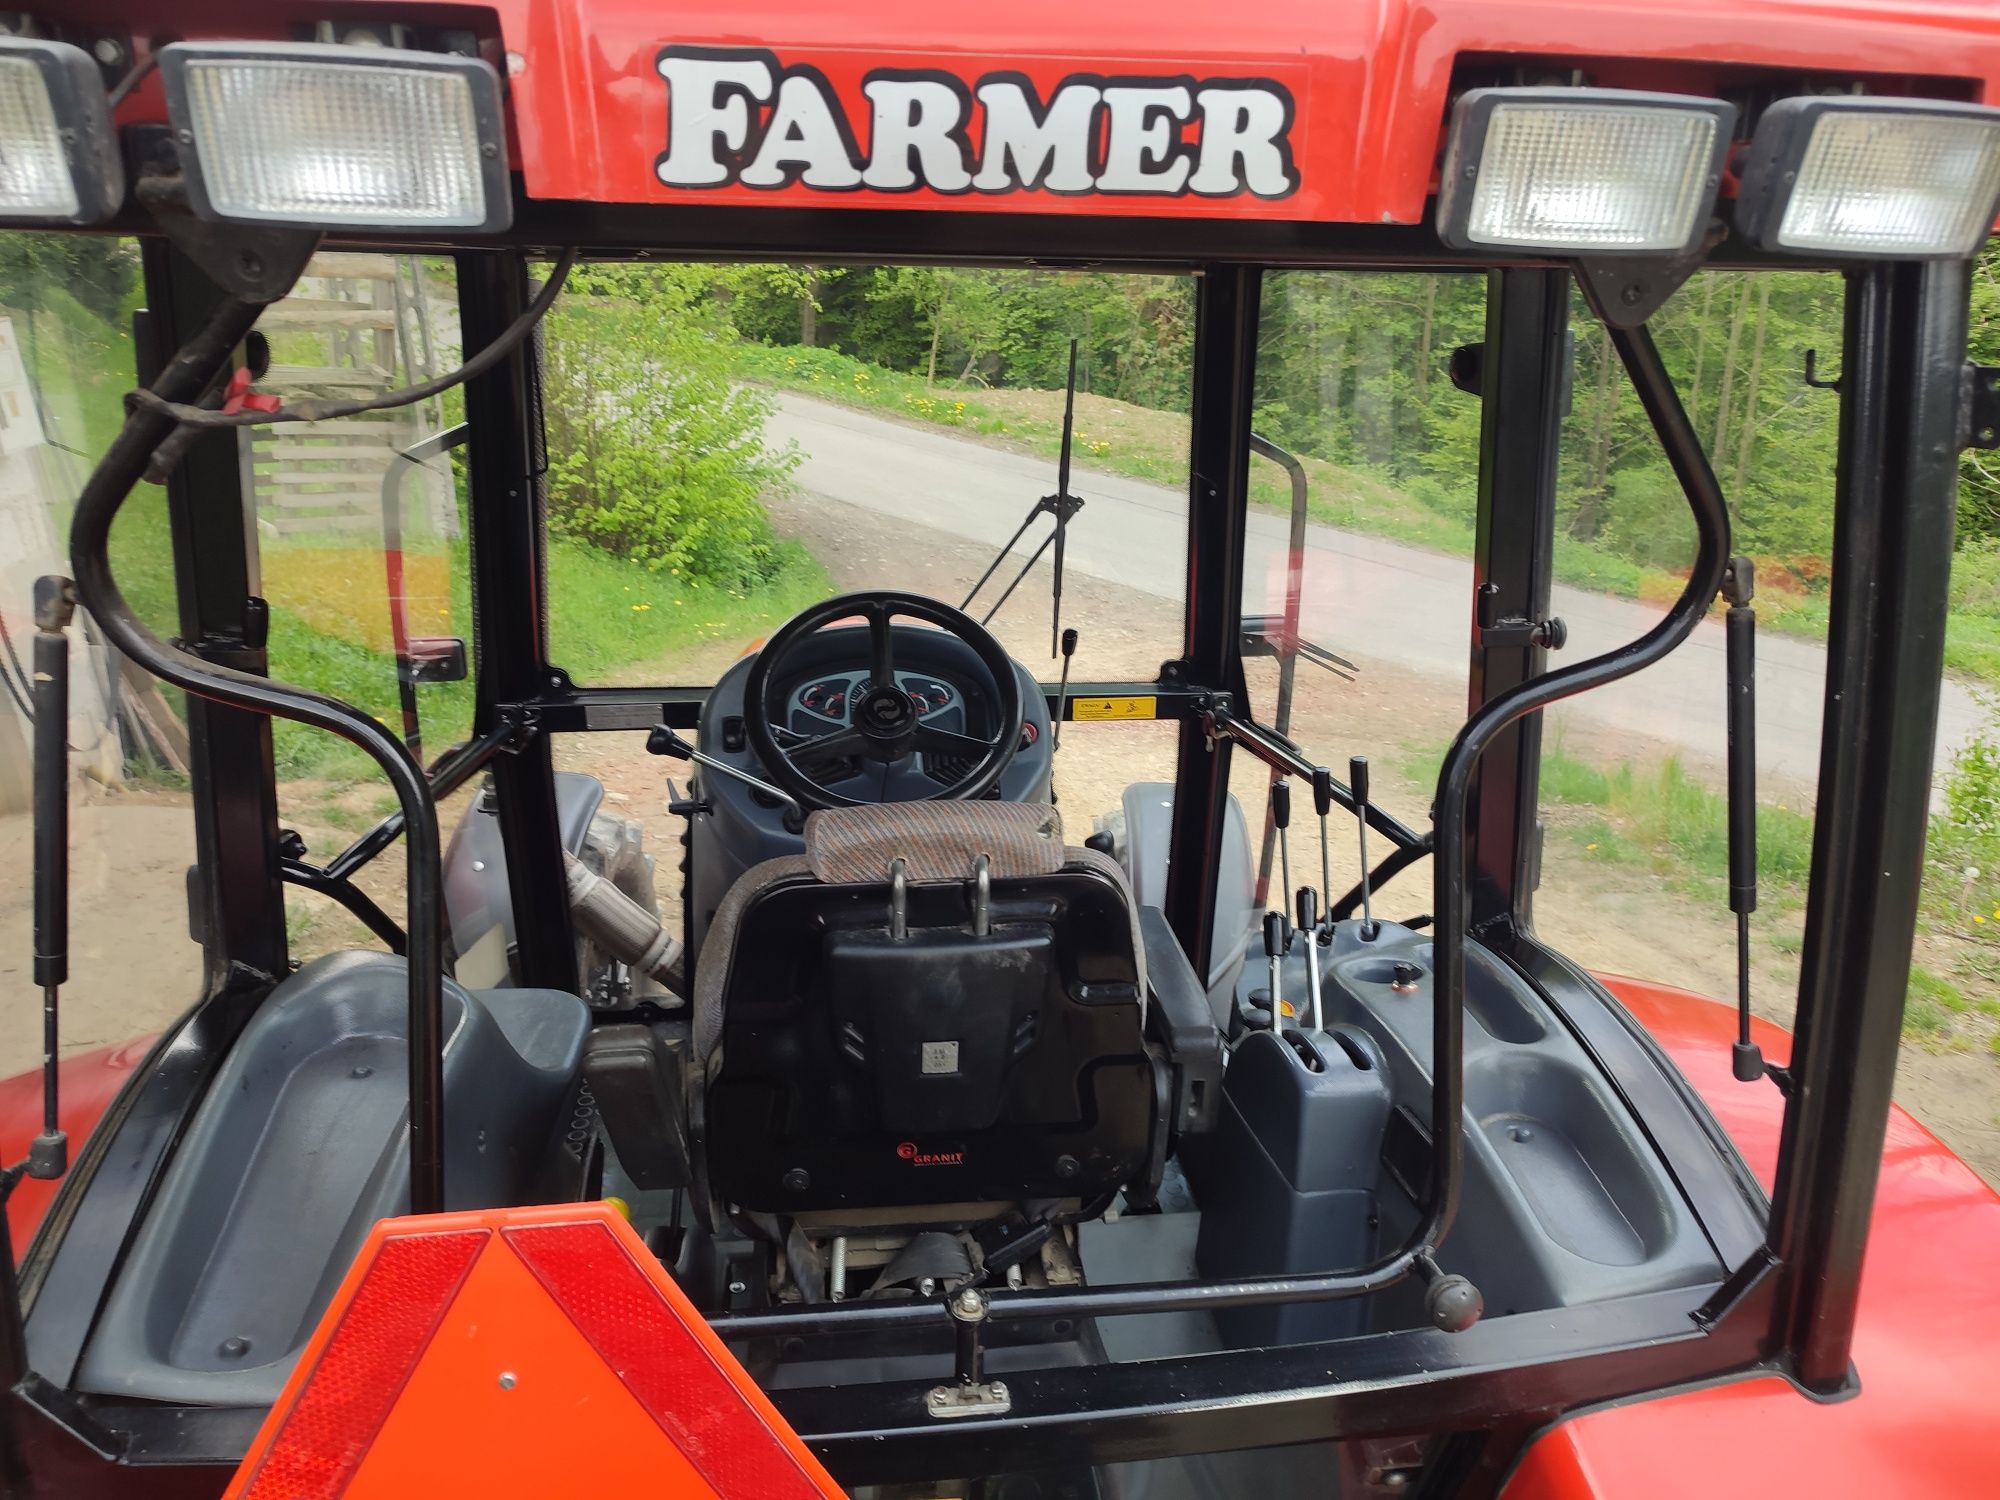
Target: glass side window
(362, 546)
(1356, 600)
(66, 361)
(1635, 842)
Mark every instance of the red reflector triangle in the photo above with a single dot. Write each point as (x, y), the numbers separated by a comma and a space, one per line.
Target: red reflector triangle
(414, 1302)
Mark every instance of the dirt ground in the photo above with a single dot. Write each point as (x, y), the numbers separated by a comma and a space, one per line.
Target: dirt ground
(135, 967)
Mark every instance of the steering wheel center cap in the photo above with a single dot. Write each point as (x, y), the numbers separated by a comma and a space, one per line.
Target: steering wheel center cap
(886, 711)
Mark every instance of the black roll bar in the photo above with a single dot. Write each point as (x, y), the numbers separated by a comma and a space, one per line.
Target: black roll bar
(184, 378)
(1657, 395)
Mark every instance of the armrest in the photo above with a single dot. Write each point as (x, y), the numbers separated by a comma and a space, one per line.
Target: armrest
(1179, 1019)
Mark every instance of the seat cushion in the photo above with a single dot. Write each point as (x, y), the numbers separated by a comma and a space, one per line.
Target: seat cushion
(935, 840)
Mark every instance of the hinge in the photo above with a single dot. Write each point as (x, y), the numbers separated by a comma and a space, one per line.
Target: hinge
(1498, 631)
(1981, 428)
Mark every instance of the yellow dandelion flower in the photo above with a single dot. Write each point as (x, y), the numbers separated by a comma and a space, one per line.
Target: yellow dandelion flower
(1590, 846)
(1977, 918)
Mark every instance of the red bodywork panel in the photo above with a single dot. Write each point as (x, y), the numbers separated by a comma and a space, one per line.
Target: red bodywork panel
(1923, 1423)
(90, 1081)
(1367, 85)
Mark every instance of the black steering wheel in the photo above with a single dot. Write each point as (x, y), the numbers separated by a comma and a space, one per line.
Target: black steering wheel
(884, 725)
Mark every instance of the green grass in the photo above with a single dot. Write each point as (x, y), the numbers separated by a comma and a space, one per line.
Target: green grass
(1930, 1004)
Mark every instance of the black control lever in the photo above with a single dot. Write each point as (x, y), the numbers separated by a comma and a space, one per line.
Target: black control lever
(1274, 951)
(1357, 783)
(1323, 804)
(1309, 930)
(1281, 819)
(663, 741)
(1739, 586)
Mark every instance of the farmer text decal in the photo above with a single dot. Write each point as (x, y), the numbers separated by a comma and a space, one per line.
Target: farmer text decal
(739, 117)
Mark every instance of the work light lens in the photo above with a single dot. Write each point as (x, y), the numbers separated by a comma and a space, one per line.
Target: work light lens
(1593, 177)
(34, 174)
(341, 136)
(58, 157)
(1893, 184)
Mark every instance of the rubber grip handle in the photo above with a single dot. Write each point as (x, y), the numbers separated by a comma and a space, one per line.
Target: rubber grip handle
(1274, 934)
(1357, 780)
(1322, 790)
(1281, 804)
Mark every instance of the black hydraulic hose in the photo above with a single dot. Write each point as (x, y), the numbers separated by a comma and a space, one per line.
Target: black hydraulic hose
(1655, 388)
(184, 378)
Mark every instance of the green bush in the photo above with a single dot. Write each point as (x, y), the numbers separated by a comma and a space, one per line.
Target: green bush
(656, 455)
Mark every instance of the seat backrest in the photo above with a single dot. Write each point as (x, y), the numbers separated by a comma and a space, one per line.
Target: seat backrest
(879, 1026)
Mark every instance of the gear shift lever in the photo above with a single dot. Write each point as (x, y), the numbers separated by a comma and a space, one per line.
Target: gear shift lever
(1274, 950)
(1323, 804)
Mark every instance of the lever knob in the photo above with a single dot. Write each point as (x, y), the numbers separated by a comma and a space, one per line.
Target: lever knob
(1281, 805)
(1322, 790)
(1308, 908)
(1274, 934)
(1357, 780)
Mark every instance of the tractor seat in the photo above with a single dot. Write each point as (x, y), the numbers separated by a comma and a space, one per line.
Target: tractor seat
(936, 1006)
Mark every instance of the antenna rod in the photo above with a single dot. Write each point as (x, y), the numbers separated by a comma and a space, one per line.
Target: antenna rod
(55, 606)
(1739, 586)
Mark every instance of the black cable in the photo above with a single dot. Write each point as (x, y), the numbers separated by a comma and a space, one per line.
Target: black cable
(14, 692)
(323, 411)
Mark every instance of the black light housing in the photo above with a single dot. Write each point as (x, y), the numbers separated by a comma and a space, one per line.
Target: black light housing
(1871, 178)
(1581, 171)
(323, 137)
(58, 156)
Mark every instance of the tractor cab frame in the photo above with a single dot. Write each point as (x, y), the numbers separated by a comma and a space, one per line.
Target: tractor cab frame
(1448, 1399)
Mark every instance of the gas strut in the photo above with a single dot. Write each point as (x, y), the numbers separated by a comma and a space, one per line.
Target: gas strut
(1357, 782)
(1062, 691)
(55, 604)
(1739, 586)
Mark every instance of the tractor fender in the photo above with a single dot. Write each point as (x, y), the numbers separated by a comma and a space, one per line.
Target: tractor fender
(1921, 1422)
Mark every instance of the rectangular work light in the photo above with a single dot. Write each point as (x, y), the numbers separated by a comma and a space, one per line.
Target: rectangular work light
(1874, 178)
(1582, 171)
(338, 137)
(58, 157)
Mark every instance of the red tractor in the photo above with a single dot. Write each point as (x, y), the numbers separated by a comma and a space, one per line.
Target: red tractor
(956, 1148)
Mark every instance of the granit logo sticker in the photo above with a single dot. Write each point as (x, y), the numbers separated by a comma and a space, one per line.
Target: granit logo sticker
(916, 1156)
(740, 117)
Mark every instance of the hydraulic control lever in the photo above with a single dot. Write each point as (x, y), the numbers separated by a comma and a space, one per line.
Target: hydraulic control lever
(1357, 782)
(1323, 804)
(1281, 819)
(1309, 930)
(663, 741)
(1274, 951)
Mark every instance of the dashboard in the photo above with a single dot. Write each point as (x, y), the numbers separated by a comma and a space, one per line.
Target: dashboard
(827, 702)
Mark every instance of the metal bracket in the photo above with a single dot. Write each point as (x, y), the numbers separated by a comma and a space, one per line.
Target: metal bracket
(1812, 376)
(1981, 428)
(254, 262)
(1627, 290)
(947, 1401)
(1497, 631)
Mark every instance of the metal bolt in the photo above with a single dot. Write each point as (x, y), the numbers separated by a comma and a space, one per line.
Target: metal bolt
(1633, 293)
(971, 1304)
(107, 52)
(185, 137)
(797, 1180)
(516, 65)
(737, 1288)
(1066, 1167)
(507, 1380)
(235, 1346)
(487, 148)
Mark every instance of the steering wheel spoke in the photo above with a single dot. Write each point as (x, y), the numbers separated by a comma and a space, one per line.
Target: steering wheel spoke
(881, 646)
(946, 742)
(827, 746)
